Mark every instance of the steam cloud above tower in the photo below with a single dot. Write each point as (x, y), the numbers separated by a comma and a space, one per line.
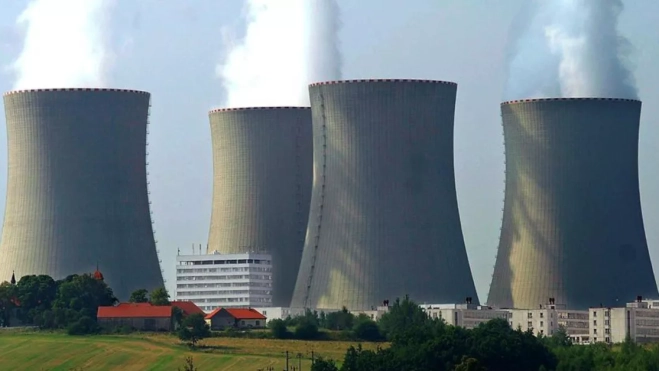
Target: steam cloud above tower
(569, 48)
(65, 44)
(287, 45)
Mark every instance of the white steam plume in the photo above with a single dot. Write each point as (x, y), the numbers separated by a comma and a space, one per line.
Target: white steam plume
(570, 48)
(65, 44)
(288, 44)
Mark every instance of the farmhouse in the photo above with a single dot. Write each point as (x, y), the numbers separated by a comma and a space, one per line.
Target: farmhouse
(222, 318)
(139, 316)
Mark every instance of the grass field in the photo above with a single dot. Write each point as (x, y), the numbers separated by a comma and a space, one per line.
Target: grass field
(55, 351)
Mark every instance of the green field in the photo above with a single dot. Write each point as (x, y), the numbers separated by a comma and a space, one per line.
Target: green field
(55, 351)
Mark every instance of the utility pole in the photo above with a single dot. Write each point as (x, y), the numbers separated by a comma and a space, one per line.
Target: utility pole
(287, 360)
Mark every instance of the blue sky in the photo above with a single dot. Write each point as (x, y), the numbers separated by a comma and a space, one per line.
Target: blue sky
(171, 48)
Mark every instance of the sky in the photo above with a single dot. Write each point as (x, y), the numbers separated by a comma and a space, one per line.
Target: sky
(172, 49)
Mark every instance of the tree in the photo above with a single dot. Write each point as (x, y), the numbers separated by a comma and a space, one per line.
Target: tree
(35, 295)
(80, 296)
(366, 329)
(278, 329)
(189, 365)
(193, 329)
(159, 297)
(342, 320)
(306, 330)
(7, 302)
(83, 326)
(322, 364)
(405, 319)
(139, 296)
(469, 364)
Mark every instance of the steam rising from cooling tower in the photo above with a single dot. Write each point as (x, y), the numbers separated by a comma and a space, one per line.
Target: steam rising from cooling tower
(65, 44)
(288, 44)
(570, 48)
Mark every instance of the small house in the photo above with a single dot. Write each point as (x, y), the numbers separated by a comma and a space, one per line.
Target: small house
(222, 318)
(139, 316)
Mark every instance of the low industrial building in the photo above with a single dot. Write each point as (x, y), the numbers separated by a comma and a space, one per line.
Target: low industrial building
(138, 316)
(223, 318)
(465, 315)
(549, 318)
(638, 321)
(224, 280)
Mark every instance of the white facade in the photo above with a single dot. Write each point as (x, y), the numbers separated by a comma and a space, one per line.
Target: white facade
(284, 312)
(224, 280)
(548, 319)
(638, 320)
(464, 315)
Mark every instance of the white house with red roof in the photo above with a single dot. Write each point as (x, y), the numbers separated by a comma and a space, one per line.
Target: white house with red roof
(222, 318)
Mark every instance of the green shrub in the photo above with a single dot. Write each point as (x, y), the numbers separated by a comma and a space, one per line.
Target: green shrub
(83, 326)
(306, 330)
(278, 329)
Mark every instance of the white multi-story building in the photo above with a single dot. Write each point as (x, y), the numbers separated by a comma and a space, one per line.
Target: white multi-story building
(464, 315)
(224, 280)
(549, 318)
(638, 320)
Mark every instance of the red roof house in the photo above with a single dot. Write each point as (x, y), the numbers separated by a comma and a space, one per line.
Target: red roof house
(187, 307)
(222, 318)
(139, 316)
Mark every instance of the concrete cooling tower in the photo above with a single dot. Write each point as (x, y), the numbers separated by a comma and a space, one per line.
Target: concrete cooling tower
(262, 187)
(572, 226)
(384, 217)
(77, 187)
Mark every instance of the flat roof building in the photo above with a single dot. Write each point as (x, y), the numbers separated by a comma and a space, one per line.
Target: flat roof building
(224, 280)
(549, 318)
(638, 320)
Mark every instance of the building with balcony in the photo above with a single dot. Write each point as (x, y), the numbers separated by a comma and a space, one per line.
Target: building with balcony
(224, 280)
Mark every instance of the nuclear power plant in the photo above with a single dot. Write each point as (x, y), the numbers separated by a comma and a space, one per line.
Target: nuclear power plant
(384, 217)
(572, 226)
(77, 189)
(262, 164)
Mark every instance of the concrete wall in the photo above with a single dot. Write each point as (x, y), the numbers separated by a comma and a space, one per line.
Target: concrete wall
(77, 187)
(384, 216)
(261, 187)
(572, 226)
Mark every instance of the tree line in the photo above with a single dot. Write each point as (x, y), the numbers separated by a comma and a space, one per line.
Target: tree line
(418, 342)
(70, 303)
(308, 325)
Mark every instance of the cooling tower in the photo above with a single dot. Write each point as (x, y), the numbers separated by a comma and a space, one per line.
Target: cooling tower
(572, 227)
(261, 187)
(77, 188)
(384, 217)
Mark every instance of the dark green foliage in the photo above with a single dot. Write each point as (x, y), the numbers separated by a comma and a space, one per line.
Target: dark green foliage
(342, 320)
(306, 329)
(194, 328)
(159, 296)
(177, 317)
(366, 329)
(35, 294)
(405, 320)
(8, 294)
(83, 326)
(139, 296)
(279, 329)
(322, 364)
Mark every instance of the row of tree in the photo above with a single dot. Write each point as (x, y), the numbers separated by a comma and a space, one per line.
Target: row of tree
(418, 342)
(71, 303)
(307, 326)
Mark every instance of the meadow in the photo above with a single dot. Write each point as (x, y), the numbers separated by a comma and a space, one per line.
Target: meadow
(35, 350)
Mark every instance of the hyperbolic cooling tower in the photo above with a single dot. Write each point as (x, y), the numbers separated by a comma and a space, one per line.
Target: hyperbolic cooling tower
(262, 186)
(572, 225)
(77, 188)
(384, 216)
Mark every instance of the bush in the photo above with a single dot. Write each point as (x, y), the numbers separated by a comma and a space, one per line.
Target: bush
(84, 326)
(324, 365)
(306, 330)
(367, 330)
(278, 329)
